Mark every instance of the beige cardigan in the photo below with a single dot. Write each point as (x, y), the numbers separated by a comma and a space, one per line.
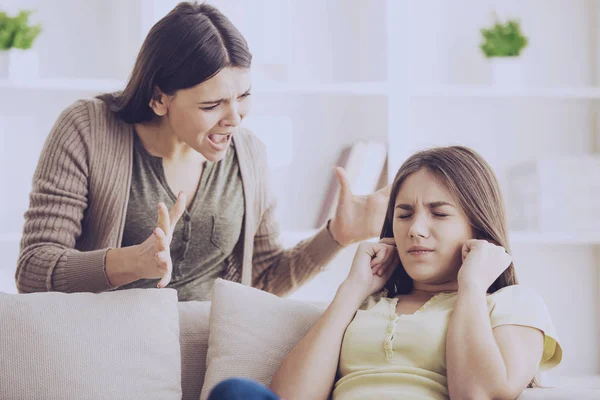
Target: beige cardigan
(79, 198)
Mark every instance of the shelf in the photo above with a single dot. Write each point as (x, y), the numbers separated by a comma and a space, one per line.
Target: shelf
(348, 88)
(80, 85)
(573, 382)
(516, 237)
(262, 87)
(494, 92)
(558, 238)
(355, 88)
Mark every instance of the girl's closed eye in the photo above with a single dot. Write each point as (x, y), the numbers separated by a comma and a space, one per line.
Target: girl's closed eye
(209, 108)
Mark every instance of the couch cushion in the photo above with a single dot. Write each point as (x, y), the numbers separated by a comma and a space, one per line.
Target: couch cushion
(193, 338)
(115, 345)
(560, 394)
(251, 331)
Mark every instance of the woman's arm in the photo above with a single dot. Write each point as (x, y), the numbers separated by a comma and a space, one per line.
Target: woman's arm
(58, 200)
(486, 363)
(308, 372)
(280, 271)
(48, 260)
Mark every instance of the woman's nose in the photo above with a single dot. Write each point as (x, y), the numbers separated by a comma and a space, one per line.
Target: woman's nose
(233, 117)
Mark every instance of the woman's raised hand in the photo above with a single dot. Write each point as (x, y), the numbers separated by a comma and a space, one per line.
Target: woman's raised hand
(155, 253)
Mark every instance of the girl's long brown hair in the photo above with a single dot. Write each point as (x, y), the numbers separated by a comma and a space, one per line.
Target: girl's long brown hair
(474, 186)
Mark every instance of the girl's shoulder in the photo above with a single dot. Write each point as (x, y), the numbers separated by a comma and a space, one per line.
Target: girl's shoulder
(517, 294)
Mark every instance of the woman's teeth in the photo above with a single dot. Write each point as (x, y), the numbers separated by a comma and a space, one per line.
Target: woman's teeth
(217, 138)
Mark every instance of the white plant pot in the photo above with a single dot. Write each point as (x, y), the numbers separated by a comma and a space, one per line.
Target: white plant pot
(19, 65)
(506, 71)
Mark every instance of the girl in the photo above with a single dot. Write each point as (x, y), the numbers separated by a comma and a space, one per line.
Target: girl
(432, 311)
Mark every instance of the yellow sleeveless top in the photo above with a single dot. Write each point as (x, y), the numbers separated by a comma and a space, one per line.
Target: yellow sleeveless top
(386, 356)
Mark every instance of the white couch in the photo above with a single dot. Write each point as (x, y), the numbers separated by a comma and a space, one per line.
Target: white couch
(147, 333)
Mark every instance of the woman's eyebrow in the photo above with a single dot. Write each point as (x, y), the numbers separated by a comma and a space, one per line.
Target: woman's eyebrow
(223, 99)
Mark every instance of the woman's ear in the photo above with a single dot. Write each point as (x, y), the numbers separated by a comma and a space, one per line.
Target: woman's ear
(159, 102)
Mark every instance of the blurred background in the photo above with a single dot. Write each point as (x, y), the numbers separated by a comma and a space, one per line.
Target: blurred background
(364, 84)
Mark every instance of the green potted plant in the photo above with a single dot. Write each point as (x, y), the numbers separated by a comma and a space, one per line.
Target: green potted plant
(502, 45)
(17, 60)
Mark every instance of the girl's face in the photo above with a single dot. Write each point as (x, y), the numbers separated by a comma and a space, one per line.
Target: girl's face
(429, 229)
(206, 116)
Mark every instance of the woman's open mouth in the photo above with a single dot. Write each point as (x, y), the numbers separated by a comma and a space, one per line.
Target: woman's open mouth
(219, 141)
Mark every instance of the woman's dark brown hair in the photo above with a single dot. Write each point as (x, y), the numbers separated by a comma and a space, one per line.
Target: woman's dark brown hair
(474, 186)
(185, 48)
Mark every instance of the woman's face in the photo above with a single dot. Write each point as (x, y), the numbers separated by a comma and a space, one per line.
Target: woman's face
(429, 229)
(207, 115)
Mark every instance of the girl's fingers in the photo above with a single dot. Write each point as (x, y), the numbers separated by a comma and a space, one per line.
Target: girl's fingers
(375, 269)
(379, 256)
(389, 241)
(389, 264)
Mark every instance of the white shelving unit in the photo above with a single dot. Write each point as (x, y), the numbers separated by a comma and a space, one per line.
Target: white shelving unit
(443, 95)
(65, 85)
(359, 88)
(258, 87)
(481, 91)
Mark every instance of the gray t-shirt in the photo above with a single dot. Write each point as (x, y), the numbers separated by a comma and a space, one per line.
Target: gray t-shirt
(205, 235)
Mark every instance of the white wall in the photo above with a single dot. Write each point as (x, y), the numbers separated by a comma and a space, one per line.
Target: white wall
(447, 39)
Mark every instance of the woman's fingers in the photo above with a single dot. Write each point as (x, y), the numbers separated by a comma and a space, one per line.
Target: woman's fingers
(163, 260)
(163, 221)
(177, 210)
(163, 257)
(166, 264)
(161, 239)
(165, 280)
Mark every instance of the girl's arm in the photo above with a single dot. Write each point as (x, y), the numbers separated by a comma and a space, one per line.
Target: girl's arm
(308, 372)
(481, 362)
(486, 363)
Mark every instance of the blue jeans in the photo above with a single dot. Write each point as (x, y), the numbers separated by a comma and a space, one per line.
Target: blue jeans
(241, 389)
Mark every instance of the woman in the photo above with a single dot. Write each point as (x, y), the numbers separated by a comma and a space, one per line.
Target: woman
(171, 144)
(433, 311)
